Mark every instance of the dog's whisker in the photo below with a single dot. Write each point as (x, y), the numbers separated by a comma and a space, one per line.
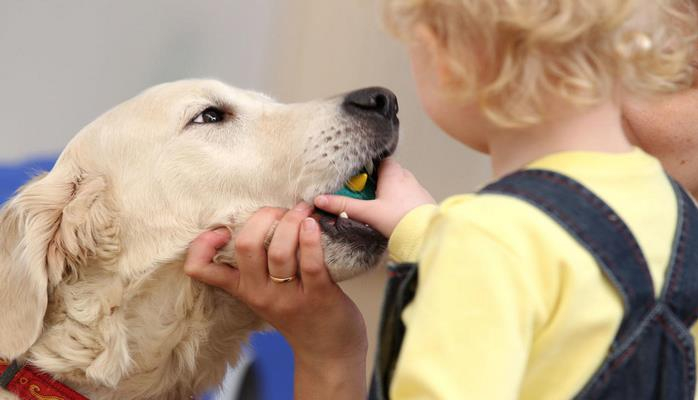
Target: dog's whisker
(294, 184)
(335, 167)
(299, 179)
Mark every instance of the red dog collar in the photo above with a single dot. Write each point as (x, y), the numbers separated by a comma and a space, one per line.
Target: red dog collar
(31, 384)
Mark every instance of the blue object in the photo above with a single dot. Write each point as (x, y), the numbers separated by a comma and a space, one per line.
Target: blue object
(273, 365)
(12, 176)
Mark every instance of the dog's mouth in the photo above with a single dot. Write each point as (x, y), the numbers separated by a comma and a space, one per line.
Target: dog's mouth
(362, 185)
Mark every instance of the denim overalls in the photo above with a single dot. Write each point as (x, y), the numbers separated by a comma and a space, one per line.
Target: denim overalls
(652, 355)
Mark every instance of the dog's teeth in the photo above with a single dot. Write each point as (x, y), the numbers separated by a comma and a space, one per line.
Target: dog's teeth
(343, 215)
(369, 167)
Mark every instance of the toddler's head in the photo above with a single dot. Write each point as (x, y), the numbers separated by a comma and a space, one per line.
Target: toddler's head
(510, 60)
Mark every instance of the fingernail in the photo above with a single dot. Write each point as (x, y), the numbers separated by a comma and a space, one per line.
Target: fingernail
(221, 231)
(321, 201)
(309, 225)
(303, 206)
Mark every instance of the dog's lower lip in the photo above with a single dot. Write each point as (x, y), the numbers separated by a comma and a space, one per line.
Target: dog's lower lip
(328, 222)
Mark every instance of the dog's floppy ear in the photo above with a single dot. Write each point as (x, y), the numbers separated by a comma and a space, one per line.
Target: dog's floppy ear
(48, 231)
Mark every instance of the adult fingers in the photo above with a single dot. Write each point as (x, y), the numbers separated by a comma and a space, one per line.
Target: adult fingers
(282, 250)
(219, 275)
(250, 254)
(314, 273)
(205, 246)
(198, 263)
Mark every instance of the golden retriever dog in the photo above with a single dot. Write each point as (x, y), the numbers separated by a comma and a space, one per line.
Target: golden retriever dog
(91, 283)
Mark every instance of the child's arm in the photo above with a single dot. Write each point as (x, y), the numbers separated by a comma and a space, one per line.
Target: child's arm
(470, 328)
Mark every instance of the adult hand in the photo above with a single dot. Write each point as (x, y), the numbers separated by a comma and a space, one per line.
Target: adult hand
(323, 326)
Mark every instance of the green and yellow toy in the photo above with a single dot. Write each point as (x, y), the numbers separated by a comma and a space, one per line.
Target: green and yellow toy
(361, 186)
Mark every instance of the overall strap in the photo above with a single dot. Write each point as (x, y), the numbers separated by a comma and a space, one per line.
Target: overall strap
(596, 227)
(399, 292)
(680, 290)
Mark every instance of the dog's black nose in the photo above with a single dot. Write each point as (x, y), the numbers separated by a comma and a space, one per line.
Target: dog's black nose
(372, 101)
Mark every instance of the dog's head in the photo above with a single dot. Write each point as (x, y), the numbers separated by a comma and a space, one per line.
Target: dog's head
(134, 187)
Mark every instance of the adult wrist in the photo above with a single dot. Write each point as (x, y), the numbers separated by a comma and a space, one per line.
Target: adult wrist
(335, 378)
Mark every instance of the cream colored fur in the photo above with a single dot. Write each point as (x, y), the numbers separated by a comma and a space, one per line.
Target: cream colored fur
(91, 285)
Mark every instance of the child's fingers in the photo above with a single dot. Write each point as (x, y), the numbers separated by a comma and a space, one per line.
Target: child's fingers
(358, 210)
(389, 167)
(314, 273)
(364, 211)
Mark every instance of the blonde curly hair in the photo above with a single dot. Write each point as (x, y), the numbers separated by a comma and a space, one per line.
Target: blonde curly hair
(511, 55)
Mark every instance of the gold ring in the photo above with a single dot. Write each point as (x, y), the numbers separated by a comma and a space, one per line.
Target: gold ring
(282, 280)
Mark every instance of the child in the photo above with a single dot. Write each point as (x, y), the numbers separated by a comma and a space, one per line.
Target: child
(534, 288)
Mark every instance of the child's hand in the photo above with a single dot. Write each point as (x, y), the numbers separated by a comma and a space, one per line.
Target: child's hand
(397, 194)
(322, 325)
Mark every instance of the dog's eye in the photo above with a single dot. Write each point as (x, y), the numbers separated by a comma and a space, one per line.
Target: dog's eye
(210, 115)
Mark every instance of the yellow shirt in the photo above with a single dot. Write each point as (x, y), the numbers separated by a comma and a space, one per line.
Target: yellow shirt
(509, 305)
